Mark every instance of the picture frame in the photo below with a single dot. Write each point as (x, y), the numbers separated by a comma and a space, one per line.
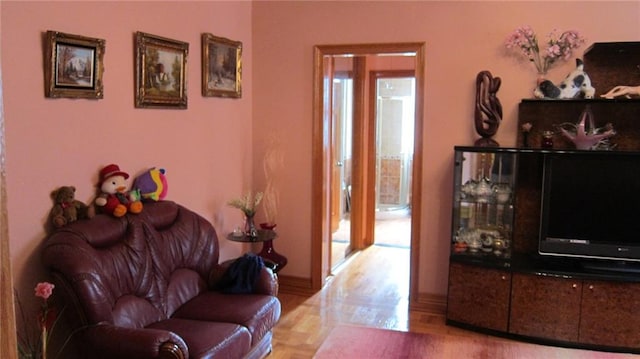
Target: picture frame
(74, 66)
(221, 67)
(161, 72)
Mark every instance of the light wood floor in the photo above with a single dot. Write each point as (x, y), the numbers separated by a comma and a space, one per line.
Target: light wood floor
(392, 229)
(371, 290)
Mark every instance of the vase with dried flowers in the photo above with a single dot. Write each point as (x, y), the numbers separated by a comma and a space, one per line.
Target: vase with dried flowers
(272, 165)
(248, 204)
(557, 47)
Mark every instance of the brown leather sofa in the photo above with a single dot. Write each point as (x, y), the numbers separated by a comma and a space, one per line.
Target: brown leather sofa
(143, 287)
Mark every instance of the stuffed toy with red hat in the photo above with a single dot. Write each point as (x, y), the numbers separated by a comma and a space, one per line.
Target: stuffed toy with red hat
(114, 197)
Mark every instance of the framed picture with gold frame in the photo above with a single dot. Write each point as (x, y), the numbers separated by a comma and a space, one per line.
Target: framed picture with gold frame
(221, 67)
(74, 66)
(161, 72)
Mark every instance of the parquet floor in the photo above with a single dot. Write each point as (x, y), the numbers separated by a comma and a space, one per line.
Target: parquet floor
(372, 290)
(392, 229)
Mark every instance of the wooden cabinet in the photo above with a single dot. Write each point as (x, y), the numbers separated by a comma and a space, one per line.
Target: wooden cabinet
(610, 313)
(497, 279)
(479, 296)
(545, 307)
(546, 115)
(587, 312)
(510, 289)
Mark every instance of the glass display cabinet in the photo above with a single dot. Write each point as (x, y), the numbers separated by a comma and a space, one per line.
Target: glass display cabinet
(483, 210)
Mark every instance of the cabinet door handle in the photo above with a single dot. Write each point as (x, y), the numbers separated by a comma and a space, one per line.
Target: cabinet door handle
(591, 287)
(574, 286)
(503, 277)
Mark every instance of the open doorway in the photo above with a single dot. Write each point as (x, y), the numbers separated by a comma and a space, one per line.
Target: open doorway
(392, 94)
(391, 97)
(342, 145)
(360, 192)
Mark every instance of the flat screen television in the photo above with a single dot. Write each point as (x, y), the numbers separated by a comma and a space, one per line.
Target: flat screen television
(591, 207)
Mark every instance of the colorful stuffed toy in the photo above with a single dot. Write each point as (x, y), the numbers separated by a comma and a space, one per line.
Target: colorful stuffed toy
(114, 198)
(152, 184)
(66, 209)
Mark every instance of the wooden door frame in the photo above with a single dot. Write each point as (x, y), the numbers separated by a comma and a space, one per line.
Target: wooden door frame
(8, 335)
(321, 158)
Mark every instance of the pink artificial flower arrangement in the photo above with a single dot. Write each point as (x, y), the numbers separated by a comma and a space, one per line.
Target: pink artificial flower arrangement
(557, 47)
(29, 347)
(44, 290)
(47, 315)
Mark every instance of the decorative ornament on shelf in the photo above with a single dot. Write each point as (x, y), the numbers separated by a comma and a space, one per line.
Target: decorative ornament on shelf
(488, 111)
(623, 91)
(557, 47)
(585, 135)
(526, 129)
(248, 204)
(576, 84)
(547, 139)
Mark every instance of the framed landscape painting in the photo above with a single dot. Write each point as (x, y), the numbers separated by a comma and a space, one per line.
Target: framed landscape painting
(221, 67)
(74, 66)
(161, 72)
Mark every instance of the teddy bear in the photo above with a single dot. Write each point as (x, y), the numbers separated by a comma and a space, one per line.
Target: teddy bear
(66, 209)
(114, 197)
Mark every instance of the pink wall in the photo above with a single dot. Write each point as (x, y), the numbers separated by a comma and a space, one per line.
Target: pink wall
(462, 39)
(205, 149)
(213, 150)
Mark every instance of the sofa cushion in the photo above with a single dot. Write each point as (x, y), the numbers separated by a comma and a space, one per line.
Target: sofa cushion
(257, 313)
(131, 311)
(209, 339)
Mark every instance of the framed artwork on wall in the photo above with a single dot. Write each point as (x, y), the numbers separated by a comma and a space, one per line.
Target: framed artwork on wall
(221, 67)
(161, 72)
(74, 66)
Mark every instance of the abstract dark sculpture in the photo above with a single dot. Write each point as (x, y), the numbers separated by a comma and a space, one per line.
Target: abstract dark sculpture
(488, 111)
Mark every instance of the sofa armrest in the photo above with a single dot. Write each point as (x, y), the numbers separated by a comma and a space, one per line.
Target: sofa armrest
(266, 283)
(109, 341)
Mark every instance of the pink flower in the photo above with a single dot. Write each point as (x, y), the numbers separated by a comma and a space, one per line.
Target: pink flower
(44, 290)
(557, 47)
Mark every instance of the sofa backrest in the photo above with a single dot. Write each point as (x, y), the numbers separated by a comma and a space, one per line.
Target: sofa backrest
(137, 269)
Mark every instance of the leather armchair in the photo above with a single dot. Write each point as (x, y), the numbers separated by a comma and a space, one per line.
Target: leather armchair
(143, 287)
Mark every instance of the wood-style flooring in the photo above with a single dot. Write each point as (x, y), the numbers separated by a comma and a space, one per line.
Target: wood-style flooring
(370, 290)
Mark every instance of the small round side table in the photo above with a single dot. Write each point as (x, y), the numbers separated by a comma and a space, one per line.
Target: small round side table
(275, 260)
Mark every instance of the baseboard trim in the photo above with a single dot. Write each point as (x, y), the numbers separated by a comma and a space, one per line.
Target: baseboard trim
(431, 303)
(295, 285)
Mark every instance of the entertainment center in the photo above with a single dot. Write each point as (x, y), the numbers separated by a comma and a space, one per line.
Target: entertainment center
(546, 242)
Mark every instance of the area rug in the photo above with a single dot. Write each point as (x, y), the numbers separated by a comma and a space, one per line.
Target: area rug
(360, 342)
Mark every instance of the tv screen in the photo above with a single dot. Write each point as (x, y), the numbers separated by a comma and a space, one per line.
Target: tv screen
(591, 206)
